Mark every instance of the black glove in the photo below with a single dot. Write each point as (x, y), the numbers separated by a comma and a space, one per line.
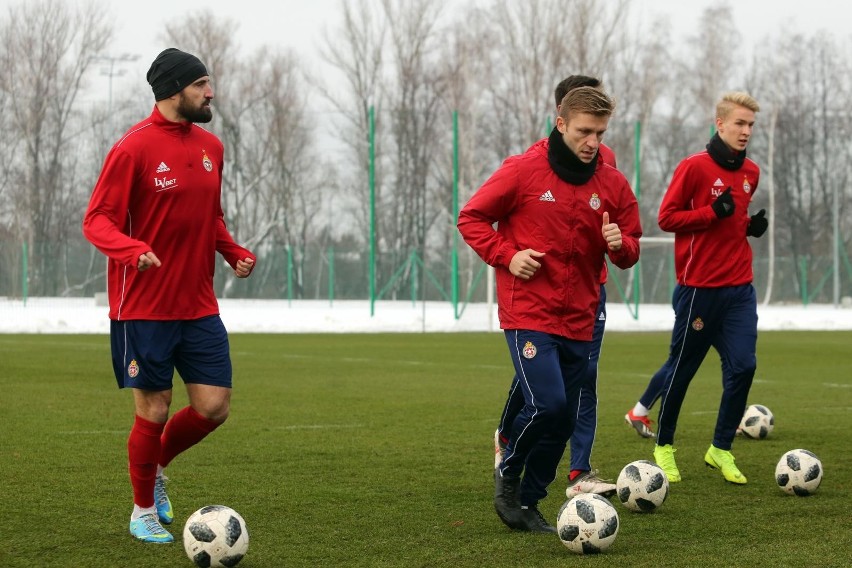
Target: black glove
(724, 204)
(758, 224)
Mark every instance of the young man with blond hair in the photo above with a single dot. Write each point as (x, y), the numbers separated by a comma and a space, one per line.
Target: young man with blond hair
(706, 207)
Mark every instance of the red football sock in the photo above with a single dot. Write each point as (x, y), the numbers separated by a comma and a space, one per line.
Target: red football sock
(185, 429)
(143, 448)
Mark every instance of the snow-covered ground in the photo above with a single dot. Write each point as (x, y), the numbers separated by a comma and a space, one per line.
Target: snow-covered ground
(83, 315)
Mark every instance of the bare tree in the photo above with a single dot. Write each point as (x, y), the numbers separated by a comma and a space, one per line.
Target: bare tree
(804, 82)
(10, 245)
(523, 75)
(47, 49)
(465, 66)
(356, 49)
(710, 70)
(675, 97)
(291, 180)
(412, 68)
(537, 44)
(270, 187)
(387, 53)
(418, 128)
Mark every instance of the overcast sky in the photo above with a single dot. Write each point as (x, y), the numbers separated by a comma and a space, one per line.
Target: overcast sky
(298, 24)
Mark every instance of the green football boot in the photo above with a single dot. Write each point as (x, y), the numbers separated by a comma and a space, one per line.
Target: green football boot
(723, 460)
(664, 456)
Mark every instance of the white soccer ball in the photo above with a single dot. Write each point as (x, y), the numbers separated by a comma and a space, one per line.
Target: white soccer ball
(799, 472)
(587, 523)
(215, 536)
(642, 486)
(757, 422)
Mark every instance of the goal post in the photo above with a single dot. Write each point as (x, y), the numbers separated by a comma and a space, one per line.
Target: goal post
(651, 280)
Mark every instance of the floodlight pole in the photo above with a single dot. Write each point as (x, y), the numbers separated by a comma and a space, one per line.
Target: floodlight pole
(372, 119)
(111, 72)
(114, 68)
(835, 221)
(455, 253)
(637, 189)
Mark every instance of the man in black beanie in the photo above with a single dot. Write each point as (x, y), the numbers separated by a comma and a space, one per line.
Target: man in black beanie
(171, 72)
(156, 213)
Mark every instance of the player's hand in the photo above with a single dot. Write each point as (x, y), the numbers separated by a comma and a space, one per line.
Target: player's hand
(244, 267)
(724, 204)
(147, 260)
(524, 263)
(758, 224)
(611, 233)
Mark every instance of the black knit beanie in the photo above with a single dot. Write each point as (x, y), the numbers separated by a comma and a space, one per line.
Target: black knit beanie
(172, 71)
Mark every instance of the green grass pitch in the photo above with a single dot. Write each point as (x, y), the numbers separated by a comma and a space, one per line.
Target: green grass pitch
(376, 450)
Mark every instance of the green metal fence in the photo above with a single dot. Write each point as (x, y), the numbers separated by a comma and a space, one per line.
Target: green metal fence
(74, 269)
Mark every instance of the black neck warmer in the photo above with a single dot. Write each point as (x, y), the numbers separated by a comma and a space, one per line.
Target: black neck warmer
(566, 164)
(723, 155)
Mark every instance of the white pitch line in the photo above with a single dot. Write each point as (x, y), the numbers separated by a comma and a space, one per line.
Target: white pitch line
(291, 427)
(374, 359)
(317, 426)
(93, 432)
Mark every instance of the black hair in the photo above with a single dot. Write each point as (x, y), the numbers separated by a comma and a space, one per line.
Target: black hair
(572, 82)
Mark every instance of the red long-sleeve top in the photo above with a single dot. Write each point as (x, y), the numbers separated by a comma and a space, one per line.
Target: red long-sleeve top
(160, 191)
(709, 252)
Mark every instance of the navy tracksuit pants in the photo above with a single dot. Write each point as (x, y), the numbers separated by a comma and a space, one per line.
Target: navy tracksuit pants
(583, 437)
(551, 370)
(722, 318)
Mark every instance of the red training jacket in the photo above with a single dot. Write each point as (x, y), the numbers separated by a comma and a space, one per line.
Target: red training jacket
(159, 191)
(709, 252)
(534, 208)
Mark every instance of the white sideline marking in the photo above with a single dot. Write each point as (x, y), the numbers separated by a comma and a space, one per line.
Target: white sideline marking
(316, 426)
(398, 361)
(93, 432)
(291, 427)
(837, 385)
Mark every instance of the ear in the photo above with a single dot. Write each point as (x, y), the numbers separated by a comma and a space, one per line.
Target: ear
(561, 124)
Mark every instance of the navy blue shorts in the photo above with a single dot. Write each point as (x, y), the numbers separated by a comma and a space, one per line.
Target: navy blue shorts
(146, 353)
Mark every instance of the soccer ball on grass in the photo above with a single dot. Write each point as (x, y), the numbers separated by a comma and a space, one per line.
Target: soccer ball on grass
(215, 536)
(587, 523)
(642, 486)
(757, 422)
(799, 472)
